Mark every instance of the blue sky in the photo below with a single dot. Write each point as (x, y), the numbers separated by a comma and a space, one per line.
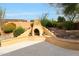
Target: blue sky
(28, 10)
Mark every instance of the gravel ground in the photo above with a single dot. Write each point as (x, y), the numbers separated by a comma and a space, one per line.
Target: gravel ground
(73, 34)
(6, 36)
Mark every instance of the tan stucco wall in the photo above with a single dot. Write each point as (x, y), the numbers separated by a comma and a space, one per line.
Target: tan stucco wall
(37, 25)
(47, 32)
(63, 43)
(51, 38)
(11, 41)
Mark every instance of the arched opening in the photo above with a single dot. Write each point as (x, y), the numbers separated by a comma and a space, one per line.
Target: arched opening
(36, 32)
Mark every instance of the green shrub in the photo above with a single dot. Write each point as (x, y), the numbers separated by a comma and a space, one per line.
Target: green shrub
(49, 23)
(59, 25)
(8, 27)
(18, 31)
(68, 25)
(54, 23)
(44, 22)
(61, 19)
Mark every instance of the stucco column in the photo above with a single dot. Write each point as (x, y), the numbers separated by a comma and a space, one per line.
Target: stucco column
(37, 25)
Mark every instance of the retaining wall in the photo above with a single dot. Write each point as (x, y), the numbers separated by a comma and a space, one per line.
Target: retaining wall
(11, 41)
(65, 43)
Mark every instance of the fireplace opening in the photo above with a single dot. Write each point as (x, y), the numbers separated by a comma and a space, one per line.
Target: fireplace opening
(36, 32)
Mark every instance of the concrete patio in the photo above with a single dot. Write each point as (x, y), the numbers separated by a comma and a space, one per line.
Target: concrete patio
(43, 49)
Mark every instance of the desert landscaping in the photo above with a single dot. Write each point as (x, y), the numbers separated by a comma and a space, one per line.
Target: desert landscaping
(4, 35)
(59, 33)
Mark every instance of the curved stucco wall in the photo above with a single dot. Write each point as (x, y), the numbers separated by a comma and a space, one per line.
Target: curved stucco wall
(65, 43)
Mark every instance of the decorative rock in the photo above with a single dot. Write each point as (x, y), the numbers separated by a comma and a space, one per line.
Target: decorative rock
(72, 36)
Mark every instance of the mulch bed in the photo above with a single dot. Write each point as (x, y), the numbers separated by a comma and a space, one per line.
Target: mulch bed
(66, 34)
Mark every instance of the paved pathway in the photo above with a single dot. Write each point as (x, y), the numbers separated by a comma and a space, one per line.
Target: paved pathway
(43, 49)
(20, 45)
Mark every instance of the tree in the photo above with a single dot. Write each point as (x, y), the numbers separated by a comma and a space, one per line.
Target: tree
(61, 19)
(70, 10)
(2, 14)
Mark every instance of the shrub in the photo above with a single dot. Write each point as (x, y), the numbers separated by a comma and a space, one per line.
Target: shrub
(60, 25)
(61, 19)
(49, 23)
(54, 23)
(68, 25)
(44, 22)
(8, 27)
(18, 31)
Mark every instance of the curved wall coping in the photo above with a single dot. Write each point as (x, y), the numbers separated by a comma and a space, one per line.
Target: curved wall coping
(65, 43)
(62, 39)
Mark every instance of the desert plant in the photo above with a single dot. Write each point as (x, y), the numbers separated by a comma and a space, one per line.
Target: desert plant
(49, 23)
(44, 20)
(8, 27)
(18, 31)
